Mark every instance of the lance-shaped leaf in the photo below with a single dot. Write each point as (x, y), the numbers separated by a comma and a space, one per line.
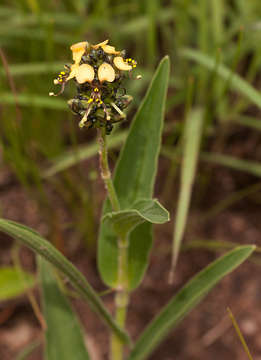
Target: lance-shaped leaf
(235, 81)
(149, 210)
(44, 248)
(63, 336)
(134, 180)
(191, 147)
(14, 282)
(186, 299)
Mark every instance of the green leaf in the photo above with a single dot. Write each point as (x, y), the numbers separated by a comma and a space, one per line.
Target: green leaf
(27, 350)
(44, 248)
(248, 121)
(63, 337)
(247, 166)
(191, 147)
(235, 81)
(251, 167)
(33, 68)
(134, 180)
(185, 300)
(31, 100)
(149, 210)
(14, 282)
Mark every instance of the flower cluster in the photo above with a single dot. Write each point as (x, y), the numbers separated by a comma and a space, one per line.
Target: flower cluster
(98, 71)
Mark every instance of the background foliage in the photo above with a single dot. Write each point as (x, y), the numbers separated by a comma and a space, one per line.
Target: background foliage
(215, 76)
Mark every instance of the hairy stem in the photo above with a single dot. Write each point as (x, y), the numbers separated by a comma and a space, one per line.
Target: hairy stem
(122, 295)
(105, 170)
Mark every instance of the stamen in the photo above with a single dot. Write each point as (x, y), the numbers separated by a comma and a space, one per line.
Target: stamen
(108, 118)
(117, 109)
(85, 117)
(60, 92)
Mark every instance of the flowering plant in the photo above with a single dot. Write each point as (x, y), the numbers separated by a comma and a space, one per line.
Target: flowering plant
(125, 237)
(98, 71)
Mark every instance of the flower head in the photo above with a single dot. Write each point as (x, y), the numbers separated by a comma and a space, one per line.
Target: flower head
(98, 71)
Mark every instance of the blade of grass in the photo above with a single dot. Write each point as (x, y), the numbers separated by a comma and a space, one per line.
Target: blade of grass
(14, 282)
(186, 300)
(251, 167)
(72, 157)
(64, 336)
(44, 248)
(239, 333)
(34, 68)
(247, 166)
(236, 82)
(31, 100)
(248, 121)
(25, 352)
(192, 139)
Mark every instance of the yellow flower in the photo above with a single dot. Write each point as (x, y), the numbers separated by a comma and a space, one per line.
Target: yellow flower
(85, 73)
(121, 64)
(78, 50)
(106, 48)
(106, 72)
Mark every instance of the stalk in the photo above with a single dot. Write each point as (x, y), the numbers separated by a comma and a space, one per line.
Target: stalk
(105, 170)
(122, 295)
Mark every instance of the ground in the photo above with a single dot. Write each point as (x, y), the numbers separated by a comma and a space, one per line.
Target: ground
(207, 333)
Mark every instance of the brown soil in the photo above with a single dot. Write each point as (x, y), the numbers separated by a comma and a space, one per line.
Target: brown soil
(207, 332)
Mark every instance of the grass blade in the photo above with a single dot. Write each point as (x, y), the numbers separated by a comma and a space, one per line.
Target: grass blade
(251, 167)
(186, 299)
(31, 100)
(235, 81)
(63, 337)
(14, 282)
(192, 138)
(44, 248)
(239, 333)
(72, 157)
(34, 68)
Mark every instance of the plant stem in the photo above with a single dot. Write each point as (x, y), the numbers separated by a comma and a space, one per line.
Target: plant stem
(105, 170)
(122, 295)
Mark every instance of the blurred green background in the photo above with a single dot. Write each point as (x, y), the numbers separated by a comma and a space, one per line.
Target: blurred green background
(49, 166)
(214, 46)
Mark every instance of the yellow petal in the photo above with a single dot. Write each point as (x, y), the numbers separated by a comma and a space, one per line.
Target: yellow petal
(121, 64)
(100, 44)
(106, 72)
(85, 74)
(110, 49)
(74, 71)
(78, 50)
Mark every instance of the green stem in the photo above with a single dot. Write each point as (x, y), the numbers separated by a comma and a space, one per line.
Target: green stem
(105, 170)
(122, 295)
